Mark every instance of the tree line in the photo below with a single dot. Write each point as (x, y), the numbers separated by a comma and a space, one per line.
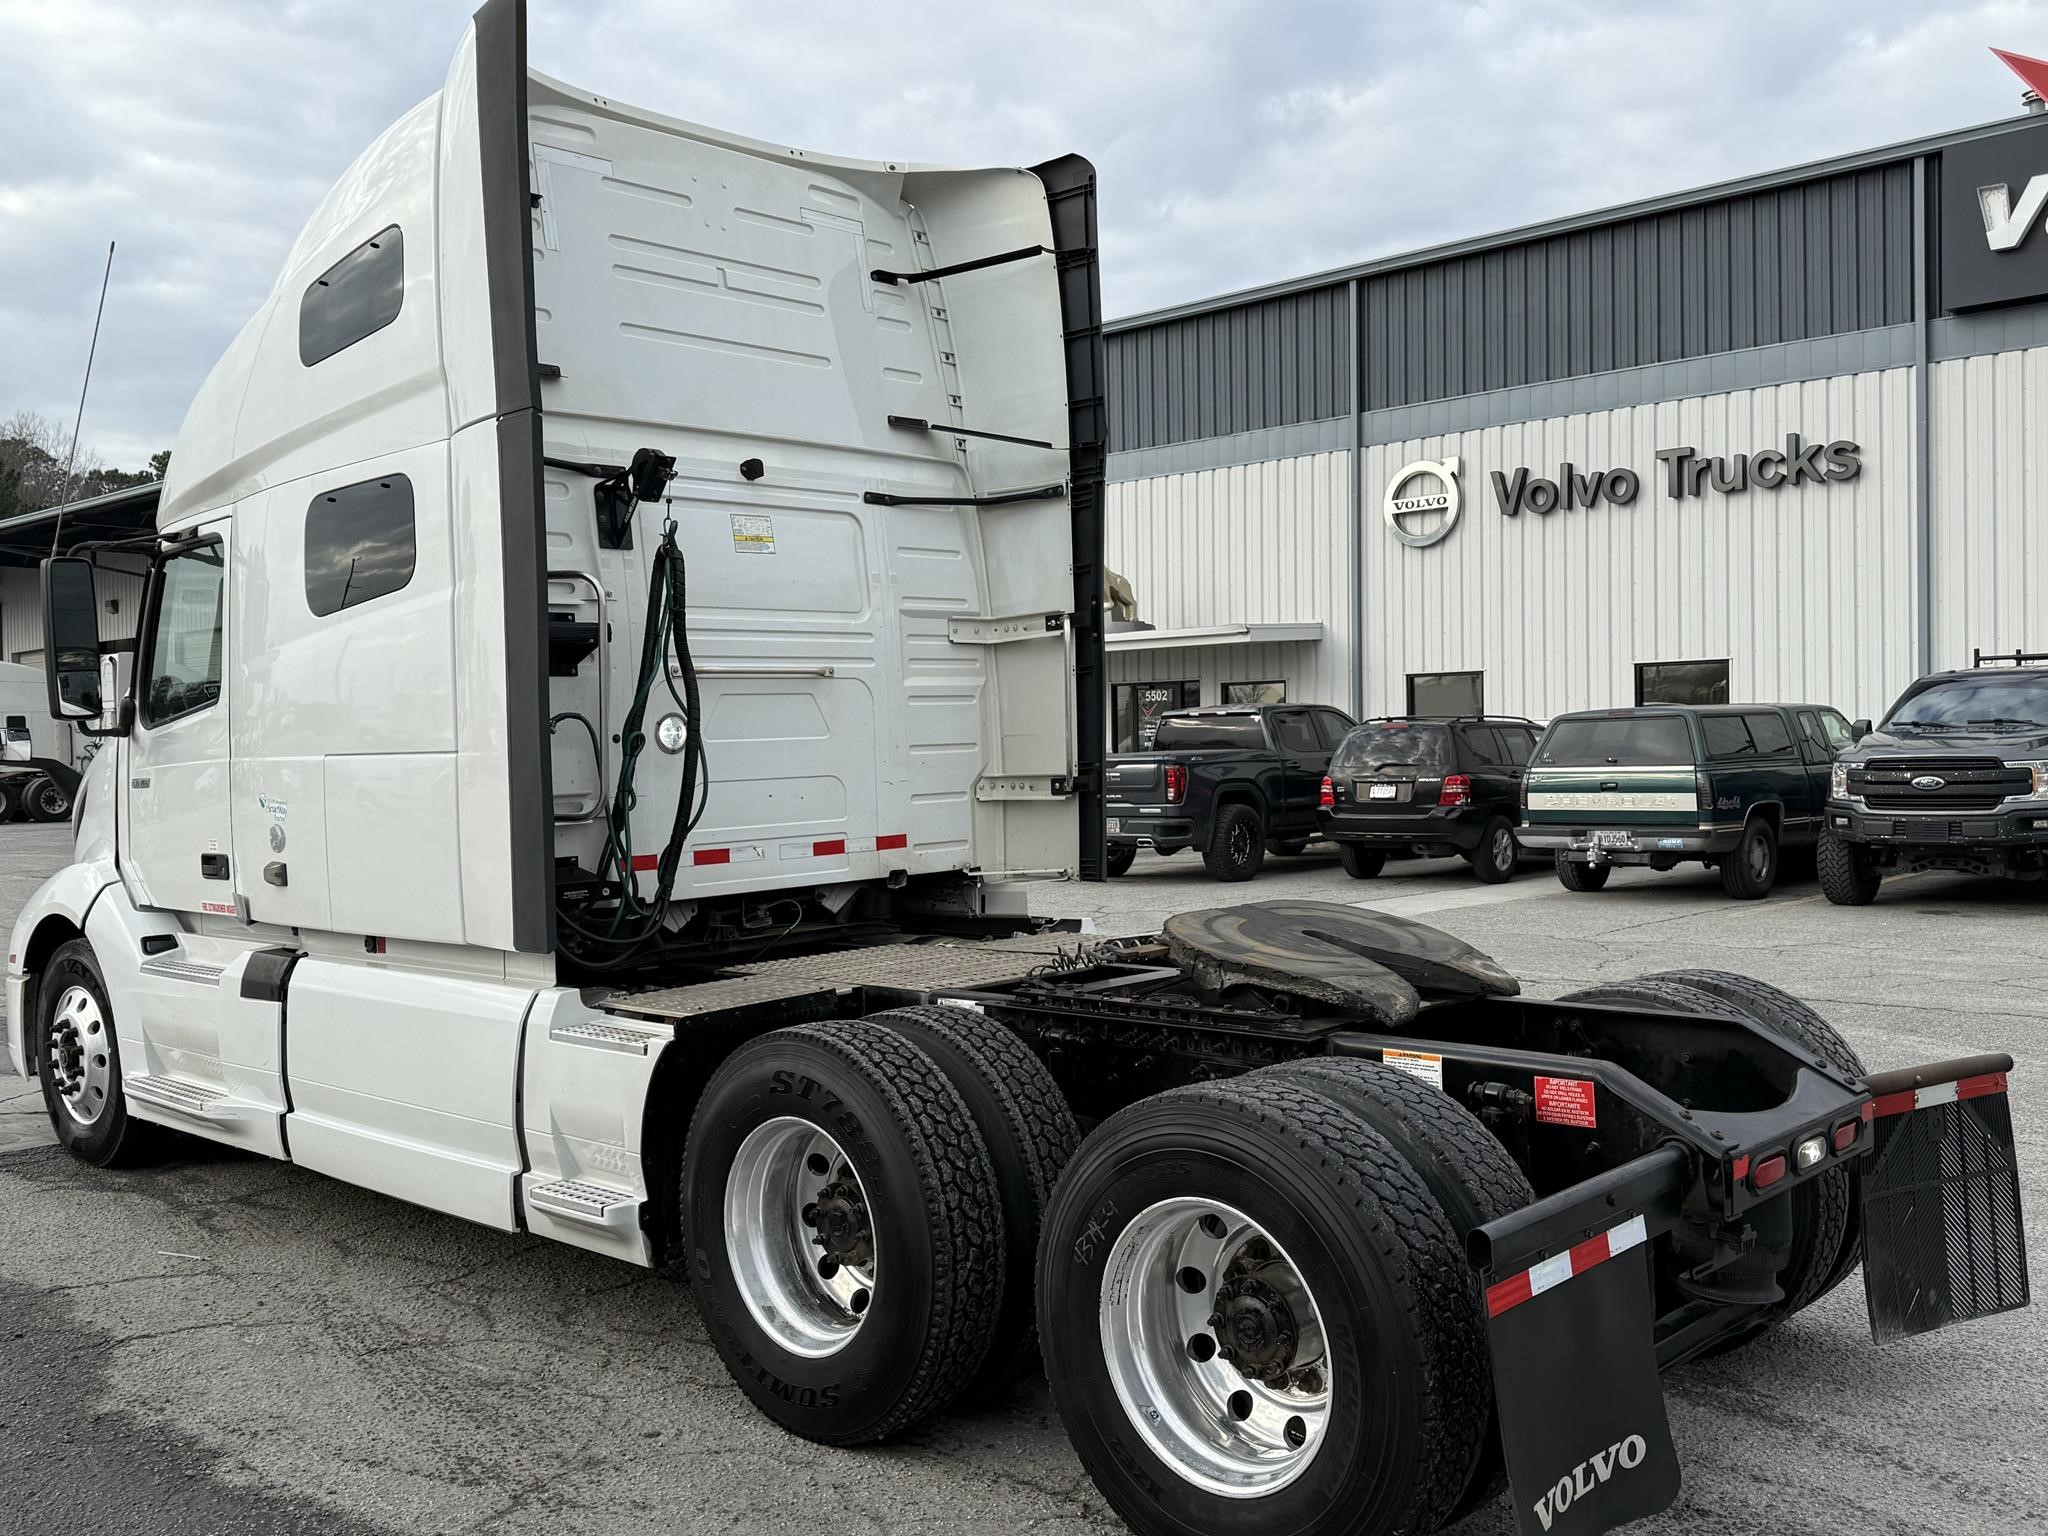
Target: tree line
(33, 450)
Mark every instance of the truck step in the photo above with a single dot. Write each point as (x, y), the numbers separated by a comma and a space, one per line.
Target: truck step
(591, 1204)
(609, 1035)
(183, 970)
(195, 1101)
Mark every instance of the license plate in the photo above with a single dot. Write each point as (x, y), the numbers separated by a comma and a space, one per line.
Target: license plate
(1115, 825)
(1381, 792)
(1614, 839)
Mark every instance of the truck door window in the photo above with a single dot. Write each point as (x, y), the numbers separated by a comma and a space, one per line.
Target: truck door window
(1815, 736)
(1769, 734)
(1726, 736)
(360, 543)
(184, 641)
(1293, 733)
(1334, 727)
(356, 297)
(1836, 730)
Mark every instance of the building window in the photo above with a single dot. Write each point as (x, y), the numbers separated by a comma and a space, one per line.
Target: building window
(359, 543)
(1681, 682)
(1446, 693)
(1255, 693)
(185, 641)
(1136, 708)
(356, 297)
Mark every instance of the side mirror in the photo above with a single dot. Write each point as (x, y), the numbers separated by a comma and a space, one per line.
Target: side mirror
(1859, 729)
(71, 638)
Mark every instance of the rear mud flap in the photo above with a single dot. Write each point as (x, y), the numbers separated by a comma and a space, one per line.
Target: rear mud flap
(1582, 1417)
(1942, 1235)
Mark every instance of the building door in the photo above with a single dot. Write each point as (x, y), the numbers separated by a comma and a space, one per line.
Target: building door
(174, 838)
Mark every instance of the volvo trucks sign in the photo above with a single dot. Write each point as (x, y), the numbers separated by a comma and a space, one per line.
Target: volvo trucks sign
(1424, 498)
(1994, 201)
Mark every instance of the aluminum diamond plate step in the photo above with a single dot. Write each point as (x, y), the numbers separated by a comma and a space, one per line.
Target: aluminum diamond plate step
(590, 1203)
(195, 1101)
(921, 968)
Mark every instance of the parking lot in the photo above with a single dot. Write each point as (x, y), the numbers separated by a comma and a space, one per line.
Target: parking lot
(227, 1344)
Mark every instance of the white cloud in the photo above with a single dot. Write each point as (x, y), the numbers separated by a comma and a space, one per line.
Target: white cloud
(1238, 142)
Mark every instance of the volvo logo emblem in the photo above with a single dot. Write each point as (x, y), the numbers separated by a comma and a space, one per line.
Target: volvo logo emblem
(1436, 492)
(1930, 781)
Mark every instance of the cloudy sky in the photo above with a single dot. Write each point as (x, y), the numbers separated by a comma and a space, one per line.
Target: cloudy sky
(1237, 141)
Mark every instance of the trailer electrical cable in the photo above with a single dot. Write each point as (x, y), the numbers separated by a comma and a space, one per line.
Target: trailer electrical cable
(635, 924)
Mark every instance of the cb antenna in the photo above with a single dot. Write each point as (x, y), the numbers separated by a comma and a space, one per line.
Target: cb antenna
(71, 460)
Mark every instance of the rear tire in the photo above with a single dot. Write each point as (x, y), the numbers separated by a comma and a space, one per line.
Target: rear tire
(1848, 878)
(1472, 1176)
(46, 800)
(1361, 863)
(10, 800)
(1493, 861)
(1237, 843)
(1385, 1420)
(1031, 1135)
(78, 1058)
(1119, 858)
(845, 1228)
(1822, 1208)
(1751, 869)
(1574, 876)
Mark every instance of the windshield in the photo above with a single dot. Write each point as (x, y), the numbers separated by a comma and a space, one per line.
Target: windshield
(2012, 701)
(1214, 733)
(1595, 741)
(1393, 744)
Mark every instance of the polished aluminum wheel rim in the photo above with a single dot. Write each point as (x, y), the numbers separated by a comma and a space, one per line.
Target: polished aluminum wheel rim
(1216, 1348)
(78, 1053)
(798, 1231)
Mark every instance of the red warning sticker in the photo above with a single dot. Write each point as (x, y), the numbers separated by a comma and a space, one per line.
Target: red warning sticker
(1565, 1101)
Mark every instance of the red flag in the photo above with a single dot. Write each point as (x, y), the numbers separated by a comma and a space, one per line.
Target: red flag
(2033, 71)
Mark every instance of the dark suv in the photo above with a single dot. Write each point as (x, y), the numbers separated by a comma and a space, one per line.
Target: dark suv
(1955, 778)
(1421, 787)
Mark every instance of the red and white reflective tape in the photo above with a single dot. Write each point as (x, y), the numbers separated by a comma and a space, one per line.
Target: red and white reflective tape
(1909, 1099)
(1554, 1271)
(820, 848)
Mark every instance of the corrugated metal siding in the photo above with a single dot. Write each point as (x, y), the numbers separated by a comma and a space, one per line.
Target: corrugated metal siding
(1249, 544)
(1267, 364)
(1814, 259)
(1990, 538)
(1807, 590)
(1296, 665)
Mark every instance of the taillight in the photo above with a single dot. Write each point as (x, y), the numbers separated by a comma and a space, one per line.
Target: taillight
(1457, 790)
(1766, 1172)
(1845, 1134)
(1703, 787)
(1176, 783)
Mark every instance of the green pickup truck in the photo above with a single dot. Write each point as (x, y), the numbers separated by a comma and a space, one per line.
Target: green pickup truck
(1727, 785)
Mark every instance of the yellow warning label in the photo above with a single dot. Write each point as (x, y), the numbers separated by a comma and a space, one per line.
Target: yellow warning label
(752, 535)
(1417, 1064)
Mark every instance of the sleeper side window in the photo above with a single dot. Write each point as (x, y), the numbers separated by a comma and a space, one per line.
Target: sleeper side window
(356, 297)
(184, 663)
(360, 543)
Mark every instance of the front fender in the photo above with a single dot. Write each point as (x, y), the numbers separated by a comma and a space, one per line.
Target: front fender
(55, 912)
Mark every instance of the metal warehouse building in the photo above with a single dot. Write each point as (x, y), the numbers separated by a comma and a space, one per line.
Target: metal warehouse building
(1783, 438)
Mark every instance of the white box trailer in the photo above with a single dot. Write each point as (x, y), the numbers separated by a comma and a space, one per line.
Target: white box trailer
(38, 752)
(623, 627)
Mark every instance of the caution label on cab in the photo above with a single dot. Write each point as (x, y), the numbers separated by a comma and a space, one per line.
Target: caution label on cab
(1565, 1101)
(1417, 1064)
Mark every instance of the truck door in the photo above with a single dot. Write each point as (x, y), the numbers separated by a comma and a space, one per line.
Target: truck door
(1303, 761)
(174, 833)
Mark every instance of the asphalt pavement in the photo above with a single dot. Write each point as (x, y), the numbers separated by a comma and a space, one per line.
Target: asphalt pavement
(226, 1344)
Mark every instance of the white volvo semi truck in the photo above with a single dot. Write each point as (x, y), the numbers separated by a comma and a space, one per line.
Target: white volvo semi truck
(623, 639)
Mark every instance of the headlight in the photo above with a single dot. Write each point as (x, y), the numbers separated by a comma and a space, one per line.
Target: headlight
(1838, 781)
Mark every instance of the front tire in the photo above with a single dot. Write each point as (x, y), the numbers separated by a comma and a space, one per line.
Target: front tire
(1493, 861)
(1574, 876)
(1237, 844)
(1749, 872)
(1360, 862)
(1256, 1317)
(78, 1059)
(1848, 878)
(846, 1235)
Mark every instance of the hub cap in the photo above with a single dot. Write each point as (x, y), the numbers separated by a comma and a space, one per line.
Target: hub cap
(800, 1236)
(78, 1055)
(1759, 856)
(1503, 848)
(1216, 1348)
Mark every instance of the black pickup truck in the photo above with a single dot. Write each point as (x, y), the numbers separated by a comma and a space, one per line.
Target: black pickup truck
(1956, 777)
(1230, 783)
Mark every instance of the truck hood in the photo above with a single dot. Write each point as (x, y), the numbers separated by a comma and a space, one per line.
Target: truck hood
(2009, 744)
